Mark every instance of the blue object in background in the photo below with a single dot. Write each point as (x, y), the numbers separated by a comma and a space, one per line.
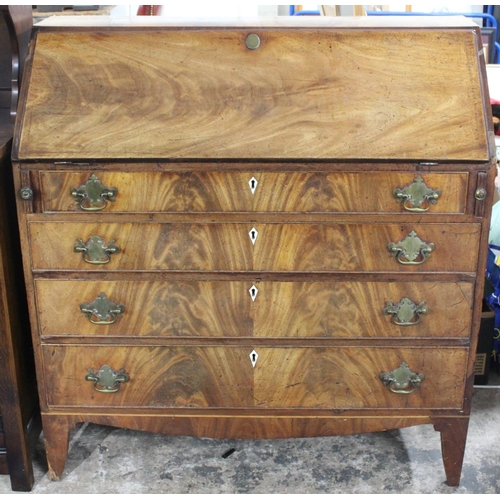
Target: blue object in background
(493, 300)
(486, 15)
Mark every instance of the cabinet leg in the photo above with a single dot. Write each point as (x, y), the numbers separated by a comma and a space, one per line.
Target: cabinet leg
(453, 437)
(56, 436)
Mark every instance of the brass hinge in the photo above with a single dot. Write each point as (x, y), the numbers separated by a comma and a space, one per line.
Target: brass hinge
(79, 164)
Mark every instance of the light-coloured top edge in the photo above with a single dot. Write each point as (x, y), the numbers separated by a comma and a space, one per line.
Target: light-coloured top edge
(272, 22)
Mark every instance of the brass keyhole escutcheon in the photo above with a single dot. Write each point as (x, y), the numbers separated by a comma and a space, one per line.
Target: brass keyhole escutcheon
(253, 184)
(254, 357)
(253, 292)
(252, 41)
(253, 233)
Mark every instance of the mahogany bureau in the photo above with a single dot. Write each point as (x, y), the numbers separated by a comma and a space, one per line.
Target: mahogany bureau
(261, 229)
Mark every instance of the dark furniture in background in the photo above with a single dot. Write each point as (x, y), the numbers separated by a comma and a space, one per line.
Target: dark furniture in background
(19, 410)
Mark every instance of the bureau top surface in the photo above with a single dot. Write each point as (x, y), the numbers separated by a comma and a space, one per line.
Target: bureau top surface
(323, 90)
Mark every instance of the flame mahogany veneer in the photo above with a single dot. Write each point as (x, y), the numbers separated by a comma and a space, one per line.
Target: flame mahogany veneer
(260, 229)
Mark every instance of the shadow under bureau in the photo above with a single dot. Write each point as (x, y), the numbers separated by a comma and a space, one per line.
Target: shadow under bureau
(262, 229)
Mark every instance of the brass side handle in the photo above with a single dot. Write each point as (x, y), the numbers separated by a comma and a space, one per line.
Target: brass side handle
(26, 193)
(93, 196)
(417, 197)
(106, 379)
(102, 311)
(406, 312)
(96, 250)
(402, 380)
(412, 250)
(480, 194)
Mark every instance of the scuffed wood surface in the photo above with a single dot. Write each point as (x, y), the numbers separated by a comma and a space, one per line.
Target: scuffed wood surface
(223, 377)
(280, 310)
(275, 191)
(279, 247)
(318, 94)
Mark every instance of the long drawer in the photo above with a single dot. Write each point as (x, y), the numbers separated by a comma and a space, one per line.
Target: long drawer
(224, 377)
(259, 309)
(347, 192)
(259, 247)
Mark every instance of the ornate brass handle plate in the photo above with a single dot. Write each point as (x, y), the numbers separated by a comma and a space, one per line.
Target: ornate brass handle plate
(96, 250)
(417, 197)
(412, 250)
(102, 311)
(106, 379)
(402, 380)
(94, 195)
(406, 312)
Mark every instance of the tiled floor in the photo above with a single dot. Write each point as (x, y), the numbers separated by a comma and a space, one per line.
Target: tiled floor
(107, 460)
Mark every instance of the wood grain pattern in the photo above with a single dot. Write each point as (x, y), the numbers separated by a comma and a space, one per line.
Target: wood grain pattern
(108, 95)
(369, 110)
(355, 309)
(453, 439)
(291, 191)
(56, 439)
(223, 377)
(285, 247)
(281, 309)
(152, 308)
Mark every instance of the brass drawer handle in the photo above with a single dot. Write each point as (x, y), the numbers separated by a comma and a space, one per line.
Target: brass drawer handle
(106, 379)
(96, 250)
(417, 197)
(412, 250)
(406, 312)
(402, 380)
(93, 196)
(106, 311)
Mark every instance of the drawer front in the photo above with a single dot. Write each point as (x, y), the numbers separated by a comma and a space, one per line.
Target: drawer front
(258, 192)
(259, 309)
(223, 377)
(275, 247)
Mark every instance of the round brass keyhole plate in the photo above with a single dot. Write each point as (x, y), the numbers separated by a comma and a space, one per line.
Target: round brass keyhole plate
(253, 41)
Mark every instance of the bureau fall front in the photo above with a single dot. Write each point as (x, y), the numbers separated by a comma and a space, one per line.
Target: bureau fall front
(265, 229)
